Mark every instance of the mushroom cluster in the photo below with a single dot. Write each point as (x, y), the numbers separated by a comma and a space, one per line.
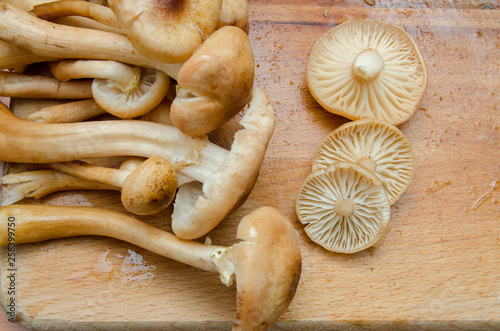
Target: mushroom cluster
(372, 73)
(169, 85)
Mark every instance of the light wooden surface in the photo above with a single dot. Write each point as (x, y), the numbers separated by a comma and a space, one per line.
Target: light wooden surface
(439, 264)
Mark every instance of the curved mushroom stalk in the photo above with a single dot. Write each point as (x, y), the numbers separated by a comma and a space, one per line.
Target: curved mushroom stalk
(167, 31)
(49, 39)
(122, 90)
(39, 183)
(69, 112)
(266, 263)
(12, 56)
(18, 85)
(215, 83)
(200, 208)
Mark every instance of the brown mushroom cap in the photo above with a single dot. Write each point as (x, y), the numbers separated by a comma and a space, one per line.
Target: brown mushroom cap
(167, 31)
(150, 188)
(344, 207)
(367, 69)
(267, 268)
(380, 147)
(215, 83)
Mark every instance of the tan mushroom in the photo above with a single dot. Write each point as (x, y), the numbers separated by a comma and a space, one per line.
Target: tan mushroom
(146, 190)
(367, 69)
(380, 147)
(122, 90)
(167, 31)
(215, 83)
(266, 263)
(18, 85)
(235, 13)
(344, 207)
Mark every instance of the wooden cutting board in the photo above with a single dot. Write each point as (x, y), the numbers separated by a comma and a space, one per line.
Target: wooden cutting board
(439, 264)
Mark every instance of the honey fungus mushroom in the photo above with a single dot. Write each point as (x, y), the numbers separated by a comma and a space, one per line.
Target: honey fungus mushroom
(266, 262)
(167, 31)
(380, 147)
(344, 207)
(367, 68)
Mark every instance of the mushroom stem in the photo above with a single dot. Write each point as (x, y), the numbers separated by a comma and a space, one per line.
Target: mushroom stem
(123, 76)
(12, 56)
(36, 86)
(266, 263)
(53, 10)
(59, 41)
(70, 112)
(39, 183)
(367, 65)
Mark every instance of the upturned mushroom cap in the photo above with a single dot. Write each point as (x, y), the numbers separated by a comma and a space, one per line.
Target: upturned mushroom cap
(367, 69)
(150, 188)
(167, 30)
(199, 208)
(215, 83)
(344, 207)
(267, 268)
(380, 147)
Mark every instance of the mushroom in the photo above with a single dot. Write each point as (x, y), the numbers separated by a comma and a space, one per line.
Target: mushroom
(122, 90)
(167, 31)
(344, 207)
(380, 147)
(235, 13)
(367, 69)
(53, 40)
(215, 83)
(222, 179)
(52, 10)
(69, 112)
(39, 183)
(20, 85)
(146, 190)
(266, 263)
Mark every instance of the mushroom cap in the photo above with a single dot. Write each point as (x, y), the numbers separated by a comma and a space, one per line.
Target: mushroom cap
(267, 268)
(150, 188)
(344, 207)
(151, 90)
(380, 147)
(167, 31)
(235, 13)
(215, 83)
(199, 208)
(367, 69)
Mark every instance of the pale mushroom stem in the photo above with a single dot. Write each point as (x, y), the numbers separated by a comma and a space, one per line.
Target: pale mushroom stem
(70, 112)
(12, 56)
(124, 76)
(59, 41)
(53, 10)
(367, 65)
(110, 176)
(38, 223)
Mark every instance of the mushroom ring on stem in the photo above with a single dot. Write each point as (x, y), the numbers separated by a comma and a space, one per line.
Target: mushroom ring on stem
(215, 83)
(122, 90)
(222, 179)
(266, 263)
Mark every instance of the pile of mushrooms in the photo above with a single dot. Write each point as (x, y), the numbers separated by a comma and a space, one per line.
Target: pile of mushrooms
(169, 87)
(370, 72)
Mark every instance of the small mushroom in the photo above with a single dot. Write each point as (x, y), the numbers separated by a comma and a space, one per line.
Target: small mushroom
(19, 85)
(122, 90)
(367, 69)
(344, 207)
(146, 190)
(215, 83)
(167, 31)
(39, 183)
(266, 263)
(380, 147)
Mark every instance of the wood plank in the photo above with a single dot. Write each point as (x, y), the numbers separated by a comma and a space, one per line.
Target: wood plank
(437, 266)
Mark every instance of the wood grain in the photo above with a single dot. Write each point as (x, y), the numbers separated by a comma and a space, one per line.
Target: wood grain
(439, 264)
